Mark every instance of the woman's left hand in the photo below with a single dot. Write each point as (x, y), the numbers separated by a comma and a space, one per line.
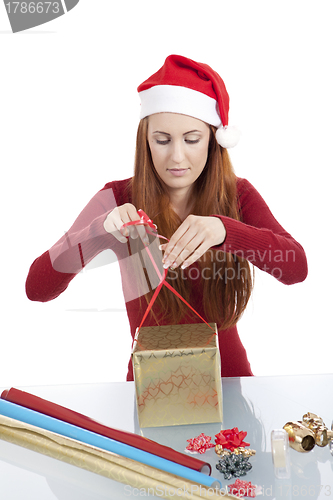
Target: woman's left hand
(192, 239)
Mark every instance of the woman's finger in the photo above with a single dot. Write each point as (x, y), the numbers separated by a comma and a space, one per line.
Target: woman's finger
(135, 230)
(189, 235)
(190, 249)
(177, 242)
(192, 239)
(199, 252)
(112, 225)
(117, 218)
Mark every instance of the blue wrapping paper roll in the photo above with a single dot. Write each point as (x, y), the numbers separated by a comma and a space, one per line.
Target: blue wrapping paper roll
(51, 424)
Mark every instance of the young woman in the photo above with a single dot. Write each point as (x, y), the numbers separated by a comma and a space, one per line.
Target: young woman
(217, 224)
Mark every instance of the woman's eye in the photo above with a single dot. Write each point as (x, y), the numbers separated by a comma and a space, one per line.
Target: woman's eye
(164, 142)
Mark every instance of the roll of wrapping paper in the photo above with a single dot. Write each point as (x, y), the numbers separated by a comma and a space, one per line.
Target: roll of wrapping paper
(49, 423)
(66, 415)
(107, 464)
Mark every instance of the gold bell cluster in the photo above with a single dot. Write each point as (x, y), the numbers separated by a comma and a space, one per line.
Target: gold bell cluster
(305, 434)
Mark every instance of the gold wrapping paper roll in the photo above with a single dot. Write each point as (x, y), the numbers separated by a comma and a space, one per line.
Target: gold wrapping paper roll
(123, 470)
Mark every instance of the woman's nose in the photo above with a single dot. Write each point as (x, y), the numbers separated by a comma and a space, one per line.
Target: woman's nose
(178, 152)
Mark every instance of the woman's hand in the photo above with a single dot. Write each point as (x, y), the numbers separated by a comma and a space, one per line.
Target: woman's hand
(191, 240)
(118, 217)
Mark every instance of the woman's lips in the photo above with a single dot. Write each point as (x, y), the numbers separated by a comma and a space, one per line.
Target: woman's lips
(178, 172)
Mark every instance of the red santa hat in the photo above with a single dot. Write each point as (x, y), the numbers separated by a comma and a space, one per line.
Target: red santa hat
(190, 88)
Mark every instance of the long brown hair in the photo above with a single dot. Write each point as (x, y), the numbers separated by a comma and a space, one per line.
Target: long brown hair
(227, 281)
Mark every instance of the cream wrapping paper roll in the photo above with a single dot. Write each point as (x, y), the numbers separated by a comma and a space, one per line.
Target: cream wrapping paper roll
(107, 464)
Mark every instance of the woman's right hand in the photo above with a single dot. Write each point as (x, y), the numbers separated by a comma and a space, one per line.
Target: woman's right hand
(118, 217)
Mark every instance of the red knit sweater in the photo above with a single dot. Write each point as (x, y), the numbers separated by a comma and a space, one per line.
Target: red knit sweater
(258, 237)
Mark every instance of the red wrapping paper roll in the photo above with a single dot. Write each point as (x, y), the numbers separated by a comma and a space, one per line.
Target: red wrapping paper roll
(72, 417)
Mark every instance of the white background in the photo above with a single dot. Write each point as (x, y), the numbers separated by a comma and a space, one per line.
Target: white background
(69, 113)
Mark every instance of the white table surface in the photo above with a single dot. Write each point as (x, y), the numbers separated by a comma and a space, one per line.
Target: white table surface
(253, 404)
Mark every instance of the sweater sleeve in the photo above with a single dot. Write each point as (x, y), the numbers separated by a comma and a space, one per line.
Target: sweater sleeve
(260, 239)
(51, 273)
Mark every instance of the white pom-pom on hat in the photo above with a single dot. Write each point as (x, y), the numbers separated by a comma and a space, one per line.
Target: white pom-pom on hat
(228, 136)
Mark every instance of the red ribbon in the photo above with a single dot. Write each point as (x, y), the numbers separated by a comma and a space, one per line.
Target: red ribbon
(146, 221)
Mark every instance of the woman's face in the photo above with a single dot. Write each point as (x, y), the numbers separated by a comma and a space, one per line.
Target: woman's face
(179, 149)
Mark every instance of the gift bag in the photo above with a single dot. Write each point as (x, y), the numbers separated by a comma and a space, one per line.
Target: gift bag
(177, 375)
